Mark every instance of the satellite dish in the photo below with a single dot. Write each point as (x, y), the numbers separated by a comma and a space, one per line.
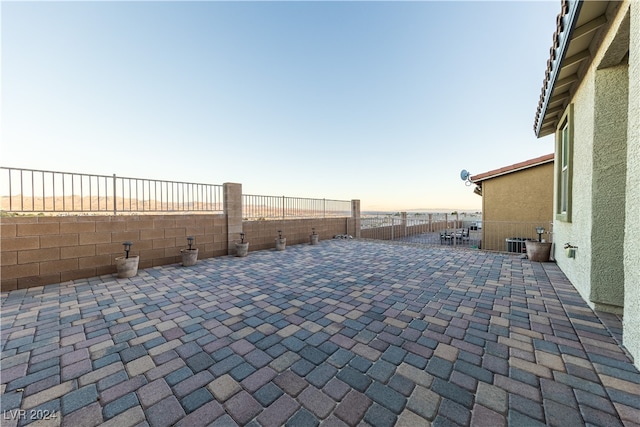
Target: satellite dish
(465, 175)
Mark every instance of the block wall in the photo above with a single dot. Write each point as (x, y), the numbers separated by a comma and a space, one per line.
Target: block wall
(262, 234)
(38, 251)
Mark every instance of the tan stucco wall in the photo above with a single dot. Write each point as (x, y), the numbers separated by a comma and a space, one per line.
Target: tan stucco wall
(631, 318)
(509, 200)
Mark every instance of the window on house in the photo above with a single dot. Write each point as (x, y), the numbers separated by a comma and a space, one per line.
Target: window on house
(564, 143)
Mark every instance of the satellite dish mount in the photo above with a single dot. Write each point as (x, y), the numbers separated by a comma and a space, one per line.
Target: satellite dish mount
(466, 177)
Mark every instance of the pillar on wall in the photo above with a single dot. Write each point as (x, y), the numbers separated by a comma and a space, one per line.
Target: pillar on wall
(355, 216)
(233, 211)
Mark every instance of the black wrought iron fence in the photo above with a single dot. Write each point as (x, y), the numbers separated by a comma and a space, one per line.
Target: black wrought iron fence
(48, 192)
(256, 207)
(455, 231)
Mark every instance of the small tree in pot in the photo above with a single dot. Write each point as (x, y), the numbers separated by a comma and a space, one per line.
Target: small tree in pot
(190, 254)
(127, 266)
(281, 242)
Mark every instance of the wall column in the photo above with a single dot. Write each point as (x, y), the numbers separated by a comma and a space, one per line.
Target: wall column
(355, 216)
(608, 188)
(233, 212)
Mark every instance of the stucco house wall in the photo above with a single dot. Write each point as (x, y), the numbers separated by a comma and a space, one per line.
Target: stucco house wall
(525, 195)
(597, 225)
(510, 200)
(631, 317)
(605, 196)
(578, 231)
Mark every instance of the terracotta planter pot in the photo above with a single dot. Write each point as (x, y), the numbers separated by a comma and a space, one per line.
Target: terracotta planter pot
(314, 239)
(538, 251)
(281, 244)
(242, 249)
(189, 257)
(127, 267)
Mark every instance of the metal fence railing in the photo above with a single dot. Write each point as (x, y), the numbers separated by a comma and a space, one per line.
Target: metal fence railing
(40, 191)
(257, 207)
(449, 230)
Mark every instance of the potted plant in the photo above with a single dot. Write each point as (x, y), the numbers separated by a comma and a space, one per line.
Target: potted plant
(190, 254)
(127, 266)
(538, 251)
(281, 242)
(313, 236)
(242, 248)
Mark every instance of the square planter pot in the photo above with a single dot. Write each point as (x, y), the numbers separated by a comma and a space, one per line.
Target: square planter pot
(189, 257)
(281, 244)
(538, 251)
(127, 267)
(242, 249)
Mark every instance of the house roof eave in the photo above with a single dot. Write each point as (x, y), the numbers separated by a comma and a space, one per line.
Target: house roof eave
(580, 26)
(478, 179)
(566, 22)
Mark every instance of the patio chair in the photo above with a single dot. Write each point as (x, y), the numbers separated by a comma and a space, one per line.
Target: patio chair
(445, 237)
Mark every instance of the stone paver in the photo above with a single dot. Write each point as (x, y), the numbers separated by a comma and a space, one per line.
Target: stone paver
(340, 333)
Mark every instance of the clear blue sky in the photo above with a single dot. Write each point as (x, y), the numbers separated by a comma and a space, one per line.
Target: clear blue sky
(379, 101)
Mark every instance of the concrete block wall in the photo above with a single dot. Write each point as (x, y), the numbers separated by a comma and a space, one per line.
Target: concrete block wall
(402, 229)
(38, 251)
(387, 232)
(42, 250)
(262, 234)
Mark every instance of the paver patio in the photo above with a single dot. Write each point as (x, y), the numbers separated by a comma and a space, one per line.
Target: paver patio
(342, 333)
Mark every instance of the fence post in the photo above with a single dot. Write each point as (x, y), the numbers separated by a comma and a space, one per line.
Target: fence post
(393, 226)
(283, 203)
(455, 229)
(403, 216)
(115, 199)
(232, 193)
(430, 223)
(355, 216)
